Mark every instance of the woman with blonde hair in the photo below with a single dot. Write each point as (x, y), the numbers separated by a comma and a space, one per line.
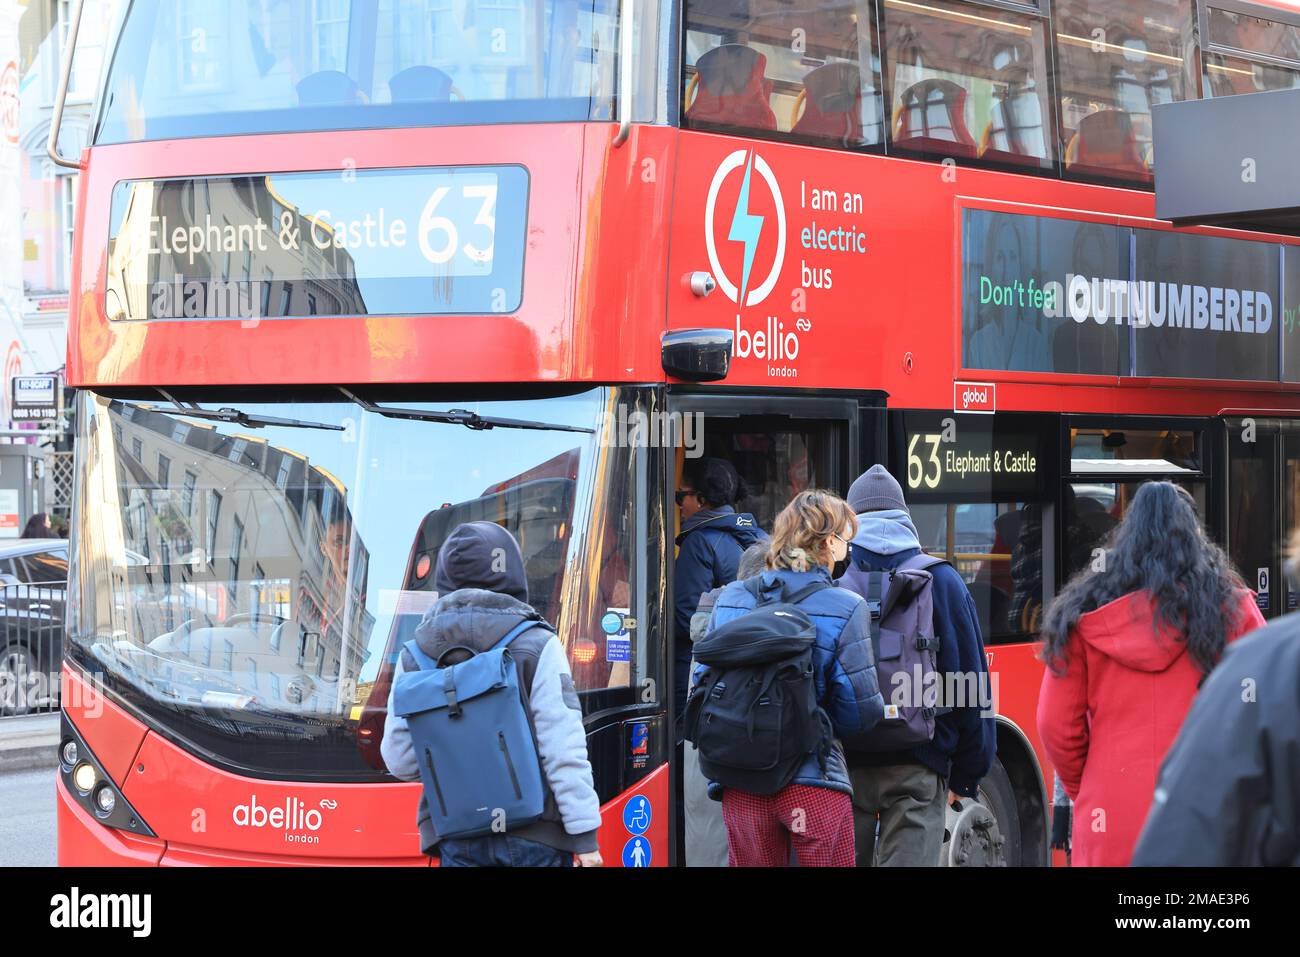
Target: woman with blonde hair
(813, 812)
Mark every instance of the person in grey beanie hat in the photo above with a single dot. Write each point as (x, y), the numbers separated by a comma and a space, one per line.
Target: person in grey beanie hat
(876, 490)
(909, 789)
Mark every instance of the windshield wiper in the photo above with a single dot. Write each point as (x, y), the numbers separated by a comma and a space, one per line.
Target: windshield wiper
(227, 414)
(471, 420)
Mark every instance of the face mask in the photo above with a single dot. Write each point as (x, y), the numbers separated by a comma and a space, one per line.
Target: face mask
(840, 567)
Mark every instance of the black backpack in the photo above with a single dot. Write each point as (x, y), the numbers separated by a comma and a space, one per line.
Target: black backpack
(754, 717)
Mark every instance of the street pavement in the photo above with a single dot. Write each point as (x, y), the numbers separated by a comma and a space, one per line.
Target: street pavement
(27, 818)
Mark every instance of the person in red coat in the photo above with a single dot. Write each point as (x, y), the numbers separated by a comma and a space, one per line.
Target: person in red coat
(1127, 644)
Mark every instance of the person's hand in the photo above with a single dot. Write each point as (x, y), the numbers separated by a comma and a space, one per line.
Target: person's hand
(590, 859)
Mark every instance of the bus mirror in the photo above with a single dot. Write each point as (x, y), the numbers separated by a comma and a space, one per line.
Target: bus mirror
(697, 355)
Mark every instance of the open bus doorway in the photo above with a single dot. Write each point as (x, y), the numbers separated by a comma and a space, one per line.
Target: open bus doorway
(779, 446)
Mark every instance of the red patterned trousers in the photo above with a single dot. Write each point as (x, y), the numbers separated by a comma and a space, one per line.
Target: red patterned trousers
(761, 829)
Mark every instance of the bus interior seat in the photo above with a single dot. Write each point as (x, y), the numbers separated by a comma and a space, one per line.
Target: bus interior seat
(329, 88)
(931, 118)
(420, 84)
(996, 142)
(732, 88)
(832, 103)
(1105, 143)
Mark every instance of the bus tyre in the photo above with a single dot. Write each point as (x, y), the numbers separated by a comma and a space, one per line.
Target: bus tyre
(19, 679)
(984, 832)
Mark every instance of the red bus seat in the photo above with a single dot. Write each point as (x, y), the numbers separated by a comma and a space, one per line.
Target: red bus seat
(931, 117)
(732, 88)
(420, 84)
(1105, 145)
(832, 103)
(998, 143)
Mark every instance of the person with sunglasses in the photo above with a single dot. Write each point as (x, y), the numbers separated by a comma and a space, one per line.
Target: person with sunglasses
(713, 537)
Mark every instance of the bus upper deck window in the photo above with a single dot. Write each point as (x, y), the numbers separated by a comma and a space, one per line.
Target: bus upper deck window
(1116, 60)
(809, 75)
(1250, 54)
(968, 81)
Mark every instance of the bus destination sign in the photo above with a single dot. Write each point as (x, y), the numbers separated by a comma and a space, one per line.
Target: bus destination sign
(338, 243)
(972, 454)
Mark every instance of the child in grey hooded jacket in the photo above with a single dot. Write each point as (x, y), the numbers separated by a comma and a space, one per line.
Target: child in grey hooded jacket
(480, 576)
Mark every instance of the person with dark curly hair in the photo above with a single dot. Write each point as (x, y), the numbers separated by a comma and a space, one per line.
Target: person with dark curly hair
(1127, 644)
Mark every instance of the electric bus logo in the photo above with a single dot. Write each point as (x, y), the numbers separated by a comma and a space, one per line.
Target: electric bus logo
(745, 227)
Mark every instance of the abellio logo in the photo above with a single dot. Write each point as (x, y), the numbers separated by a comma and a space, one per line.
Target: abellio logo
(745, 227)
(296, 818)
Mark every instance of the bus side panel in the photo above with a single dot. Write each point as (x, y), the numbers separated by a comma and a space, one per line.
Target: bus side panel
(634, 826)
(1016, 675)
(184, 799)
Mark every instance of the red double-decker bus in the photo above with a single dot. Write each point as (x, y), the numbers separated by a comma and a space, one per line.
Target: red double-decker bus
(351, 273)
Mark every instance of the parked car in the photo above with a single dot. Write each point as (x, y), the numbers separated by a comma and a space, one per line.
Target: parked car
(33, 599)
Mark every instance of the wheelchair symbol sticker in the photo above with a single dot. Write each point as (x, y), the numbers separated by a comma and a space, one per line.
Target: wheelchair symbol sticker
(637, 815)
(636, 853)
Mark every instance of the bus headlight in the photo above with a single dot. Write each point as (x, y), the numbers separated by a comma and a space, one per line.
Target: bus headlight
(69, 753)
(105, 799)
(83, 776)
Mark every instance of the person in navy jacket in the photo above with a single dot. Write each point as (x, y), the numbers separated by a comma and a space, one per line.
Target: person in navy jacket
(712, 539)
(909, 790)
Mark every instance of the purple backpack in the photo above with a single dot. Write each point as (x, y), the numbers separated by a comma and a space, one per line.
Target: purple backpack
(906, 649)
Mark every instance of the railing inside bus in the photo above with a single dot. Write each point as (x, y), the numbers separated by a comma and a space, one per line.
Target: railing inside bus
(31, 647)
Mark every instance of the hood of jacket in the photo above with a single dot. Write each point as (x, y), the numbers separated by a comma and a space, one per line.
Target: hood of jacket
(1122, 629)
(481, 555)
(886, 532)
(471, 618)
(741, 526)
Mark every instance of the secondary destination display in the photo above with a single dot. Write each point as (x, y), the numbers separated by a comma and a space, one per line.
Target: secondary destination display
(1052, 295)
(337, 243)
(992, 458)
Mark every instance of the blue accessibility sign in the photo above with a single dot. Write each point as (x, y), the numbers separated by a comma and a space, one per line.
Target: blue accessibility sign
(636, 853)
(637, 814)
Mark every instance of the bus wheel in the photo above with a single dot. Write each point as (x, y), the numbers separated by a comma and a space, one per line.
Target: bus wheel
(984, 832)
(19, 676)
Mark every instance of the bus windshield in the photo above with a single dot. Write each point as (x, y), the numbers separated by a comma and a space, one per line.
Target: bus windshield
(215, 67)
(248, 586)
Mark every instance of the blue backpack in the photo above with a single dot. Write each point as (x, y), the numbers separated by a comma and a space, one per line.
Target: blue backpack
(473, 739)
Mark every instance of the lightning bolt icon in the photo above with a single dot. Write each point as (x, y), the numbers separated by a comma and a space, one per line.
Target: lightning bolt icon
(745, 228)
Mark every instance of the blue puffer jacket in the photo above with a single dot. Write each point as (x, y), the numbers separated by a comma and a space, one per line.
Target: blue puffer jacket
(843, 665)
(712, 541)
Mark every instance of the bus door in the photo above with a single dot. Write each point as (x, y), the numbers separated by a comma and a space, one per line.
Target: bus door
(780, 445)
(1261, 500)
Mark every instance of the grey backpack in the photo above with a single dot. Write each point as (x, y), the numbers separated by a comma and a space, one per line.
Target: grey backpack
(906, 650)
